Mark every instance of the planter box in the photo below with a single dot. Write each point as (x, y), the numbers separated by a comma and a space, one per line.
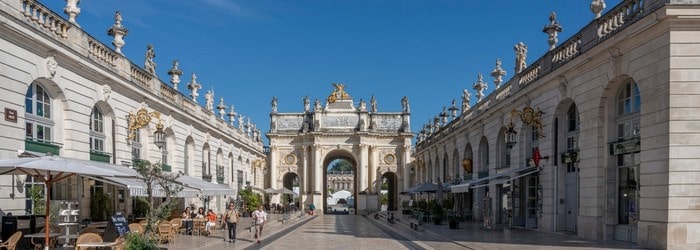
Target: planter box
(41, 147)
(454, 224)
(166, 167)
(206, 177)
(99, 156)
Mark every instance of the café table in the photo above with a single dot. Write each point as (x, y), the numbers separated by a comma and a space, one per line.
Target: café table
(110, 245)
(42, 236)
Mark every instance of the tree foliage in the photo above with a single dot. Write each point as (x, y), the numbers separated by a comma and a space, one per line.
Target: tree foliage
(154, 177)
(252, 200)
(341, 165)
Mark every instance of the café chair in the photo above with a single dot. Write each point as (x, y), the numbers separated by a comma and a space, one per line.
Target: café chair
(11, 243)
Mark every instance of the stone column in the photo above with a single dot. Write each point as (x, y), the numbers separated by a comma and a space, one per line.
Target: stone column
(318, 170)
(372, 183)
(273, 166)
(305, 183)
(405, 156)
(362, 169)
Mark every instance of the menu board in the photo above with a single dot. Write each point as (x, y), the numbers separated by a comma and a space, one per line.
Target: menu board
(116, 226)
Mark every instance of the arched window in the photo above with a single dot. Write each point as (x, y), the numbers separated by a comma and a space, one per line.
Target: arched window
(97, 133)
(39, 126)
(626, 150)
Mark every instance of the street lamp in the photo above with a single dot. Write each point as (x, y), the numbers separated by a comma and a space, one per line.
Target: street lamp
(511, 136)
(142, 118)
(159, 135)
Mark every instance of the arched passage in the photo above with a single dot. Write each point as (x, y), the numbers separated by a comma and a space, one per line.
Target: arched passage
(340, 174)
(389, 190)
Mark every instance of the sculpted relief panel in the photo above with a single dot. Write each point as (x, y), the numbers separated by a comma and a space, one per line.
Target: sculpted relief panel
(290, 123)
(388, 122)
(340, 121)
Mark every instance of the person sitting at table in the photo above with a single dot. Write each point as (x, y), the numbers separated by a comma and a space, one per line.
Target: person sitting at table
(187, 220)
(211, 221)
(200, 213)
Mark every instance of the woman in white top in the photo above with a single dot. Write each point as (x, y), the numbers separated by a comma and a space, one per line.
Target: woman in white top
(259, 216)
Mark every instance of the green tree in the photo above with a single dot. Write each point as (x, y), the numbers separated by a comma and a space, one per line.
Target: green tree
(252, 200)
(341, 165)
(100, 208)
(154, 176)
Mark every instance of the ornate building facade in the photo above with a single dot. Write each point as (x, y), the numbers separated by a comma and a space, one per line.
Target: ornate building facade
(598, 136)
(377, 144)
(65, 93)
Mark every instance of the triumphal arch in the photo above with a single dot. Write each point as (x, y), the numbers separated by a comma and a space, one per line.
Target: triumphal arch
(377, 144)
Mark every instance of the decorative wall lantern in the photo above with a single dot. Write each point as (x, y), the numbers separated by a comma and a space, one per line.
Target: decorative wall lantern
(142, 118)
(412, 172)
(569, 157)
(530, 117)
(511, 136)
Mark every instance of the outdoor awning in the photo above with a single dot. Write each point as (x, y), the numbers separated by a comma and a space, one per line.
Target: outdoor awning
(137, 187)
(204, 187)
(53, 165)
(500, 178)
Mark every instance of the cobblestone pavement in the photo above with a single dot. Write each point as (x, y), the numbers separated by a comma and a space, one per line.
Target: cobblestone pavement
(360, 232)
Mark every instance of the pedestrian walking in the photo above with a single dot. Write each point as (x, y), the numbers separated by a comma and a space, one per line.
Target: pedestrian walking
(230, 220)
(259, 216)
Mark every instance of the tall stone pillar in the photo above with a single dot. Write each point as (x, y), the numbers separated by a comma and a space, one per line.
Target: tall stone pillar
(373, 183)
(305, 181)
(318, 170)
(273, 167)
(405, 156)
(362, 169)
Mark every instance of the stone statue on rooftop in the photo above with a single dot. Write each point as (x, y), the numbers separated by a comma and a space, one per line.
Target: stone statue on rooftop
(363, 106)
(307, 104)
(222, 108)
(118, 31)
(72, 10)
(498, 74)
(274, 104)
(552, 30)
(520, 57)
(317, 105)
(405, 105)
(240, 122)
(480, 86)
(209, 97)
(373, 104)
(194, 87)
(338, 93)
(597, 7)
(149, 64)
(465, 100)
(175, 74)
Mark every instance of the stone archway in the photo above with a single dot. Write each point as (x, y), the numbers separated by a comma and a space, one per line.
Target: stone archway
(305, 143)
(390, 181)
(329, 176)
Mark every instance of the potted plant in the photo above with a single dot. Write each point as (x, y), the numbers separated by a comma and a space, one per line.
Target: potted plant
(437, 212)
(454, 224)
(404, 207)
(100, 208)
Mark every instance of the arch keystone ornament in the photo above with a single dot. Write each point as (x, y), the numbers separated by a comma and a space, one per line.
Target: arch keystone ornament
(339, 133)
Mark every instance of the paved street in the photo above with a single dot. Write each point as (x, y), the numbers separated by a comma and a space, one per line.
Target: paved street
(360, 232)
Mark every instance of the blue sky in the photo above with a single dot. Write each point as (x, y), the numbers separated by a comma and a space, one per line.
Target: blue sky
(250, 51)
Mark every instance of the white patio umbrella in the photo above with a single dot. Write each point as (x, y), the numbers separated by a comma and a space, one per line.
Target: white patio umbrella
(285, 190)
(51, 169)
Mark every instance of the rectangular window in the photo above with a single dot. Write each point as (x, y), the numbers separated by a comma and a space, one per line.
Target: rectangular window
(97, 144)
(29, 130)
(164, 157)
